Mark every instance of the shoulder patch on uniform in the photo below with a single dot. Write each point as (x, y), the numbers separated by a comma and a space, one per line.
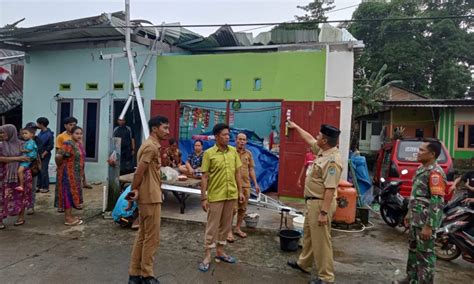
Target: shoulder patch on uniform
(332, 171)
(437, 184)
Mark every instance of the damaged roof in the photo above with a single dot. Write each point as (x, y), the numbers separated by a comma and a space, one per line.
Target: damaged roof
(111, 26)
(11, 91)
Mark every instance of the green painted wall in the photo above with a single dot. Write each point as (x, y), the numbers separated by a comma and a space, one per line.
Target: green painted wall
(298, 76)
(447, 132)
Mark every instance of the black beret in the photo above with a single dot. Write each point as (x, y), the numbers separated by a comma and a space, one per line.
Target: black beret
(330, 131)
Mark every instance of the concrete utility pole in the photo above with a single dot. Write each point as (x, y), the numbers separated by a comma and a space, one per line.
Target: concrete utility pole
(133, 73)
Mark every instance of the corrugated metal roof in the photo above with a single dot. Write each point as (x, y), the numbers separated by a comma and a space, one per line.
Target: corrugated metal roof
(98, 28)
(431, 103)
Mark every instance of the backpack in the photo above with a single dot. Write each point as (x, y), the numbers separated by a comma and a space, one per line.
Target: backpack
(36, 166)
(36, 163)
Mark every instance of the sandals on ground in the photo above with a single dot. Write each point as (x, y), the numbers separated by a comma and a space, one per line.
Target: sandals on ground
(74, 223)
(241, 234)
(19, 223)
(225, 258)
(204, 267)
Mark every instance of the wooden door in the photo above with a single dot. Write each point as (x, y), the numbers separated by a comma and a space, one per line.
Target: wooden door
(310, 116)
(169, 109)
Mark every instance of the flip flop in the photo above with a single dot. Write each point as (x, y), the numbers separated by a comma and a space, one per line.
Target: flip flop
(19, 223)
(204, 267)
(241, 234)
(230, 240)
(225, 258)
(2, 226)
(75, 223)
(60, 210)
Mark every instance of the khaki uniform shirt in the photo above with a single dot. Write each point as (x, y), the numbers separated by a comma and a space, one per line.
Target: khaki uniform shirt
(221, 166)
(247, 164)
(150, 188)
(325, 172)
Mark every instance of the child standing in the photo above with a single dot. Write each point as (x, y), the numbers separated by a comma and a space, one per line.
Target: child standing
(30, 150)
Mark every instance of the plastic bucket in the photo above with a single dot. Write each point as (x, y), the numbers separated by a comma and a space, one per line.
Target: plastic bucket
(289, 240)
(251, 222)
(298, 224)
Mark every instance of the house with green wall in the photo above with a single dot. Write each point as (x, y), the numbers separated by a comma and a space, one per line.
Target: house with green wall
(450, 120)
(70, 73)
(313, 81)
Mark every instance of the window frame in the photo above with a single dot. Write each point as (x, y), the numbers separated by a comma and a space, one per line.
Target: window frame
(65, 87)
(90, 86)
(466, 125)
(119, 86)
(59, 123)
(199, 85)
(225, 84)
(255, 84)
(96, 153)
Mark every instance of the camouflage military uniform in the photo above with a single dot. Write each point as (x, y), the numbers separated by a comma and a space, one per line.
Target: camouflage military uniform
(425, 208)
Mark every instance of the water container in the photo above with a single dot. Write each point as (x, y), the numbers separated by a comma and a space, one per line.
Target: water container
(289, 240)
(346, 203)
(298, 225)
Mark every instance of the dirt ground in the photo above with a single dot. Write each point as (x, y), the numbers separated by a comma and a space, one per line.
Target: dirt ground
(46, 251)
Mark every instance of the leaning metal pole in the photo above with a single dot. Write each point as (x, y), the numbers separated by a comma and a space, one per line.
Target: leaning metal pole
(131, 65)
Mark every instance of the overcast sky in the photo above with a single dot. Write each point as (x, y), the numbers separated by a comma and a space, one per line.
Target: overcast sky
(39, 12)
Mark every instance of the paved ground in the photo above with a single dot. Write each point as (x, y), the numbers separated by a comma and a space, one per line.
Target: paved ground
(45, 251)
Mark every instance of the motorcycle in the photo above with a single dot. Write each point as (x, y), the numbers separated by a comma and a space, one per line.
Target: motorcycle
(456, 234)
(393, 206)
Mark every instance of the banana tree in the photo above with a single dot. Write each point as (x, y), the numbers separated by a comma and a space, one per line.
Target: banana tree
(369, 93)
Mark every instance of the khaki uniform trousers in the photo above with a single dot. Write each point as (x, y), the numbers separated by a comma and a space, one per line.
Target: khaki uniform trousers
(147, 240)
(241, 208)
(219, 222)
(317, 243)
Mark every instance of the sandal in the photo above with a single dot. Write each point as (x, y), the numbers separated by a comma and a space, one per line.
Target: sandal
(204, 267)
(19, 223)
(19, 189)
(2, 226)
(225, 258)
(60, 210)
(75, 223)
(241, 234)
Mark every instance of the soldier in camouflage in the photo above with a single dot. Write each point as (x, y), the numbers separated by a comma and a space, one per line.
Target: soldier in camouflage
(425, 214)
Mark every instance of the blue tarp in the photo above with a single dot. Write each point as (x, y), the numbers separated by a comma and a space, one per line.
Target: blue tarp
(363, 179)
(119, 209)
(266, 163)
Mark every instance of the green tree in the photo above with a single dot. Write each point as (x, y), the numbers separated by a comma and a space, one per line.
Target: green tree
(315, 13)
(429, 56)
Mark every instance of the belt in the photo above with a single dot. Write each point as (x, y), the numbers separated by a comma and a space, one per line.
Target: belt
(312, 198)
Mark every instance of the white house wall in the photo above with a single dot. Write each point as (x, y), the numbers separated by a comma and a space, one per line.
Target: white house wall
(339, 76)
(46, 70)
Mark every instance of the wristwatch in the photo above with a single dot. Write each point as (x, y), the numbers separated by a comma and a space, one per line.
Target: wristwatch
(323, 213)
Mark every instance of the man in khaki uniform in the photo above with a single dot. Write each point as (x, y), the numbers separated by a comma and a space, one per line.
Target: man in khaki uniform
(320, 196)
(221, 186)
(247, 172)
(146, 190)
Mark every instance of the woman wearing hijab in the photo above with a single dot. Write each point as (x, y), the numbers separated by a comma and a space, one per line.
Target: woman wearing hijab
(12, 202)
